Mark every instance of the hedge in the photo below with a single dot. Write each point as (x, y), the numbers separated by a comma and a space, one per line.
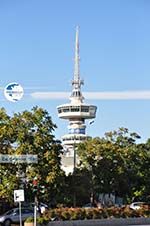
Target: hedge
(95, 213)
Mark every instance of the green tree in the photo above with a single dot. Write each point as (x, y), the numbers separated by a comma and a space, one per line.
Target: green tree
(8, 180)
(31, 132)
(116, 163)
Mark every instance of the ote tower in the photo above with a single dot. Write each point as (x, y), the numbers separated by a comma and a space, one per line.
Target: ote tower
(76, 112)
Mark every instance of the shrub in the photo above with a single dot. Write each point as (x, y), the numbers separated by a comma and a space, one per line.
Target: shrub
(42, 220)
(95, 213)
(29, 220)
(65, 215)
(77, 214)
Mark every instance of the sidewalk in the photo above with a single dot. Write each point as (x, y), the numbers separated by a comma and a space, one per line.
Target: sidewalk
(102, 222)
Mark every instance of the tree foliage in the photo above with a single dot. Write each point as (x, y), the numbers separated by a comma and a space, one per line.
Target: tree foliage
(117, 164)
(30, 132)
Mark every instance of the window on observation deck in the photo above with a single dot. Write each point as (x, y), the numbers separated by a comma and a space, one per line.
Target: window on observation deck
(75, 108)
(65, 109)
(59, 110)
(84, 109)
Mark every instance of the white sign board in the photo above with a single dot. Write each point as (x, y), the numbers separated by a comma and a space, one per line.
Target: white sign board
(18, 195)
(18, 158)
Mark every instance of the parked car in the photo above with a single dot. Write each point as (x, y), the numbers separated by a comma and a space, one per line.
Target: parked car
(40, 208)
(12, 216)
(136, 205)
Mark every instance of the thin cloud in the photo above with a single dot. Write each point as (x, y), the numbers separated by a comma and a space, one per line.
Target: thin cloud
(121, 95)
(50, 95)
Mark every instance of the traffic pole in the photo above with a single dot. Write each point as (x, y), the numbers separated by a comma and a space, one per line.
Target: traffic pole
(20, 218)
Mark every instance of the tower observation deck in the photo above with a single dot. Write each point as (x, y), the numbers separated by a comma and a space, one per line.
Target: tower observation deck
(76, 112)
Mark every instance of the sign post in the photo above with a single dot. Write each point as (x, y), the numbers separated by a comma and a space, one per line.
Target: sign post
(19, 197)
(35, 209)
(20, 218)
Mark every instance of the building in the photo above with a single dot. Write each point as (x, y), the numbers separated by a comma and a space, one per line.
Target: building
(76, 112)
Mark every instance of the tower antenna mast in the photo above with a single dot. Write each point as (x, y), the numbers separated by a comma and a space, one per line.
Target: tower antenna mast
(76, 83)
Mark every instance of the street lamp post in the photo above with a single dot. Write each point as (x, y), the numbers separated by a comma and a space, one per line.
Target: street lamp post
(74, 171)
(92, 181)
(92, 185)
(74, 156)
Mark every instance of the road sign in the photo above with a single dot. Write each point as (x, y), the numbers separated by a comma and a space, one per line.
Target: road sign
(18, 159)
(19, 195)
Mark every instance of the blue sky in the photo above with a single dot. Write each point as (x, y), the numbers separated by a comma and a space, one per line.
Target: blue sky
(37, 50)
